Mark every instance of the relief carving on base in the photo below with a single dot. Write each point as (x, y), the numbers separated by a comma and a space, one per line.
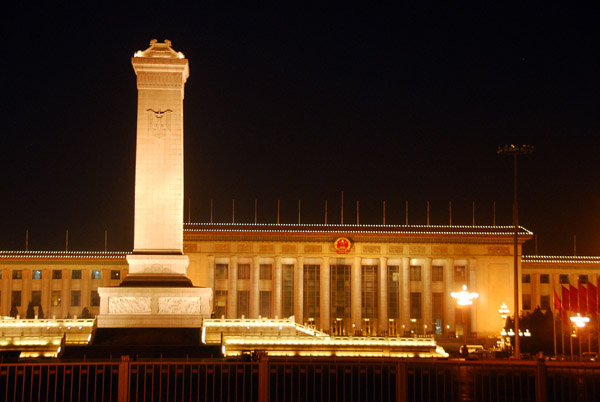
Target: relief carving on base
(158, 269)
(178, 305)
(129, 305)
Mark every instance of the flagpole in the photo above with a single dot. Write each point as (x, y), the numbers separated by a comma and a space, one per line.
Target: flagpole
(562, 335)
(554, 331)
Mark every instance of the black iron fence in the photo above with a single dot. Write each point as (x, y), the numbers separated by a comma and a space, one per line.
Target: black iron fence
(297, 379)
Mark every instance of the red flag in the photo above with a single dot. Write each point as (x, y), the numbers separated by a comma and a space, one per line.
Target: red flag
(565, 298)
(557, 305)
(582, 299)
(592, 298)
(574, 299)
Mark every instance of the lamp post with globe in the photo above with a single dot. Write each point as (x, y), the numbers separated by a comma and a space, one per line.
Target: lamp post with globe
(464, 298)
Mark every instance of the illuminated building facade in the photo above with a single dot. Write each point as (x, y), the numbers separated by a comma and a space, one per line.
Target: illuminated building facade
(373, 280)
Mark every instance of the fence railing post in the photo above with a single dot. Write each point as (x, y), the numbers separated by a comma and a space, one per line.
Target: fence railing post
(401, 382)
(263, 379)
(541, 381)
(124, 379)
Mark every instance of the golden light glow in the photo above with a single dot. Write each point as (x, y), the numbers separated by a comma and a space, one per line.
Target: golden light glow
(464, 298)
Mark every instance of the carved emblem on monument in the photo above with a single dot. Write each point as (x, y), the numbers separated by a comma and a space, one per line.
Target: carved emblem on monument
(159, 122)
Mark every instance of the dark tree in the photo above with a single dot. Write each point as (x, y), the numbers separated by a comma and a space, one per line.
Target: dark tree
(539, 325)
(85, 313)
(30, 311)
(40, 312)
(13, 311)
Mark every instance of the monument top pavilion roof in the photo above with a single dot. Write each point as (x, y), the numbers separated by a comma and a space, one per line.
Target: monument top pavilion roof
(159, 50)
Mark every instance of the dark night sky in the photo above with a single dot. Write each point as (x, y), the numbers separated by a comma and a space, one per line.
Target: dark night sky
(296, 103)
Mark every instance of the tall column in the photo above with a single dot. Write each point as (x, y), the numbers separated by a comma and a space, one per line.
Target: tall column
(254, 290)
(473, 288)
(5, 296)
(85, 289)
(299, 290)
(449, 315)
(405, 294)
(355, 294)
(383, 296)
(427, 295)
(325, 296)
(277, 283)
(65, 300)
(26, 292)
(535, 290)
(211, 272)
(46, 289)
(232, 288)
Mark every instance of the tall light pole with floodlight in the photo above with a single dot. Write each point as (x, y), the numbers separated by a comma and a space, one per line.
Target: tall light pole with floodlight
(515, 151)
(464, 299)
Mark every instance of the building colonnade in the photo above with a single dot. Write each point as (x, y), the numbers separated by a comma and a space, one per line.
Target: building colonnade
(344, 295)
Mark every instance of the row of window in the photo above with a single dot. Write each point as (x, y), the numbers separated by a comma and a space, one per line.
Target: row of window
(115, 274)
(266, 272)
(55, 298)
(562, 278)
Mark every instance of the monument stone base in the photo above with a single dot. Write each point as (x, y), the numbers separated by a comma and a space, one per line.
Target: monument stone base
(153, 307)
(155, 294)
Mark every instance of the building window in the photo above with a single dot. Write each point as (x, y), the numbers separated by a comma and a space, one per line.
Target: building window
(340, 299)
(393, 284)
(96, 274)
(76, 274)
(544, 278)
(369, 291)
(287, 290)
(75, 297)
(265, 303)
(526, 278)
(221, 271)
(36, 297)
(94, 298)
(17, 274)
(56, 274)
(36, 274)
(115, 274)
(312, 293)
(266, 271)
(243, 307)
(221, 300)
(437, 273)
(55, 298)
(583, 279)
(526, 301)
(545, 302)
(460, 274)
(243, 271)
(415, 273)
(15, 298)
(415, 305)
(563, 278)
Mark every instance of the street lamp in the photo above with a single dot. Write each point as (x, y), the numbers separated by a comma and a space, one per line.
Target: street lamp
(463, 299)
(504, 311)
(579, 322)
(515, 151)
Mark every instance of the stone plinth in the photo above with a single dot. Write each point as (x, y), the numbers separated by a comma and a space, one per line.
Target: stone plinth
(152, 307)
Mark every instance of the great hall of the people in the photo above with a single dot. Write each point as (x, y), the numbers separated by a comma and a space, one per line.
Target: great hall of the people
(343, 279)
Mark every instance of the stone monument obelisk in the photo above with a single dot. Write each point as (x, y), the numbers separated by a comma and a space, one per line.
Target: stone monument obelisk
(156, 292)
